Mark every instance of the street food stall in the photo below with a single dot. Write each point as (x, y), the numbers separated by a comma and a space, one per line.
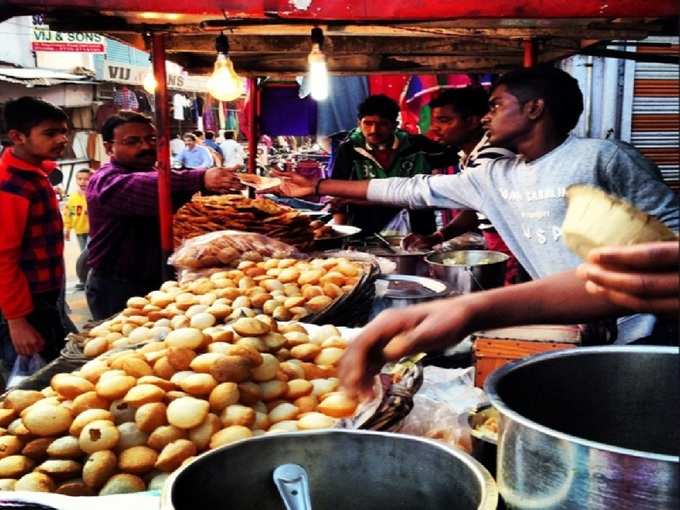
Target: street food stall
(226, 378)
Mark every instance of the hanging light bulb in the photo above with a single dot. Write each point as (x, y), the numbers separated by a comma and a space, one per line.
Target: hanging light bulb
(224, 84)
(318, 71)
(149, 83)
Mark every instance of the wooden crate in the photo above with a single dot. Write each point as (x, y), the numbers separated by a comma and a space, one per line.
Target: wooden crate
(492, 349)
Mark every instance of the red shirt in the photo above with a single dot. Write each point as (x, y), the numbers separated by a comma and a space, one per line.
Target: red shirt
(31, 237)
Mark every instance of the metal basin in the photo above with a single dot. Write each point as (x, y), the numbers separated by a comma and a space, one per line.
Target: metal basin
(472, 270)
(592, 428)
(400, 291)
(350, 470)
(407, 262)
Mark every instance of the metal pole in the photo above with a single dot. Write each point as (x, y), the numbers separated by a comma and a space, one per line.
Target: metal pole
(252, 122)
(530, 51)
(163, 131)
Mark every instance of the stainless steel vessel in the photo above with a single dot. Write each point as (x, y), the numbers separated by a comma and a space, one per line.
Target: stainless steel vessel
(593, 428)
(400, 291)
(352, 470)
(469, 270)
(407, 262)
(483, 442)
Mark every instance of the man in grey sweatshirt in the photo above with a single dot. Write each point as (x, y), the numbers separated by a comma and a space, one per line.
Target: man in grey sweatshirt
(532, 110)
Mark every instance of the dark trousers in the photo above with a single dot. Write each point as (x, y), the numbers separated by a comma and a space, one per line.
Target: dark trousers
(108, 294)
(46, 318)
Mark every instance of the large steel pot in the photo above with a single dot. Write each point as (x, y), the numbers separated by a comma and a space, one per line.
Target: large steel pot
(348, 470)
(593, 428)
(469, 270)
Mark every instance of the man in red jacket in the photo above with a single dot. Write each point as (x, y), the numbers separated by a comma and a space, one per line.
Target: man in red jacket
(31, 237)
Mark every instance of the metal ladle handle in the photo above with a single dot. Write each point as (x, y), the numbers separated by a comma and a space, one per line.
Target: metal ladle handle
(293, 484)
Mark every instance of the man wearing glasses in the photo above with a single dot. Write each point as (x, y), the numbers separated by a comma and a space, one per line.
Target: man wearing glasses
(122, 197)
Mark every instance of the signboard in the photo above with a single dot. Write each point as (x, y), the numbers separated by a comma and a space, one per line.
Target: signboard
(134, 75)
(44, 39)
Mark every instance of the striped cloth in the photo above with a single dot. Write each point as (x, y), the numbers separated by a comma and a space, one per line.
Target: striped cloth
(482, 153)
(31, 237)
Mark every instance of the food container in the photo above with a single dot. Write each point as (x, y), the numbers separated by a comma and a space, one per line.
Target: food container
(495, 348)
(592, 428)
(346, 469)
(401, 290)
(407, 262)
(483, 439)
(469, 270)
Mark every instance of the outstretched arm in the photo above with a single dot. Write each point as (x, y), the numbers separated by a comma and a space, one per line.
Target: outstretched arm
(561, 298)
(296, 185)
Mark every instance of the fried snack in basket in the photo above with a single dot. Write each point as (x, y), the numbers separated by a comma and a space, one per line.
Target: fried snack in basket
(234, 212)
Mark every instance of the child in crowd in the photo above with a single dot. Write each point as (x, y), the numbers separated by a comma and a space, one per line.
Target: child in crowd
(75, 214)
(75, 211)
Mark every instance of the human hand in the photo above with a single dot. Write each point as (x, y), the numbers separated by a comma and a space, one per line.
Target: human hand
(294, 184)
(397, 333)
(221, 180)
(415, 242)
(67, 235)
(642, 277)
(25, 338)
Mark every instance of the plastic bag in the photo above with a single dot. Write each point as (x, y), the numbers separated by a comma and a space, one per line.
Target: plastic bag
(226, 248)
(400, 225)
(441, 407)
(24, 366)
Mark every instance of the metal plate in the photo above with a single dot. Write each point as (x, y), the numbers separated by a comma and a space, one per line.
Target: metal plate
(341, 231)
(401, 286)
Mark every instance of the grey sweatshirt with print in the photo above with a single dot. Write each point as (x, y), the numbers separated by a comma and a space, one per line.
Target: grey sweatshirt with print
(526, 202)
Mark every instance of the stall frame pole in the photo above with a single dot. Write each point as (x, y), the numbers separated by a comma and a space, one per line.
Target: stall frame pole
(530, 52)
(252, 123)
(163, 148)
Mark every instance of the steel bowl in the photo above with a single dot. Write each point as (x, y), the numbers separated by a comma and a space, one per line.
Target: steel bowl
(593, 428)
(348, 469)
(401, 290)
(407, 262)
(472, 270)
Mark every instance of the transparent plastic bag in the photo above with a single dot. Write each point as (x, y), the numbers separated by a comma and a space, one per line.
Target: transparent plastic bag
(441, 406)
(400, 225)
(24, 366)
(226, 248)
